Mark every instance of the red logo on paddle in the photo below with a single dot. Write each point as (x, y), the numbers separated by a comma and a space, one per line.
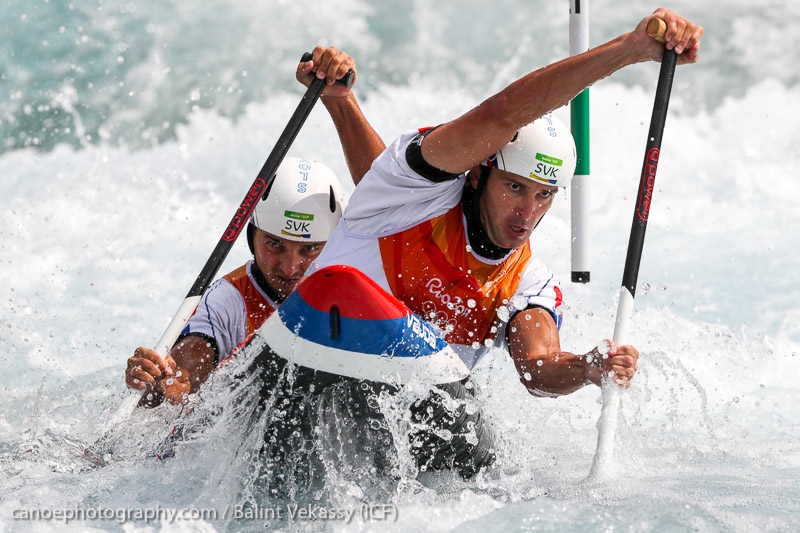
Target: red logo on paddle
(648, 179)
(244, 211)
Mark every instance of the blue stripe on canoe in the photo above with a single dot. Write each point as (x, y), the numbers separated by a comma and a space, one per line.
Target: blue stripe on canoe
(398, 337)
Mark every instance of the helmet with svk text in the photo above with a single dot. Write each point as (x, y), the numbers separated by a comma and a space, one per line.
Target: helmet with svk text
(304, 203)
(543, 151)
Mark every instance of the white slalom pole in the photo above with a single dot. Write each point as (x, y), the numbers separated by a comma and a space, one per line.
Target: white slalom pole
(579, 124)
(607, 424)
(609, 414)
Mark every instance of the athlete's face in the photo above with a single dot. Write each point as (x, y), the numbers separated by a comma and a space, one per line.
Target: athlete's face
(283, 262)
(511, 206)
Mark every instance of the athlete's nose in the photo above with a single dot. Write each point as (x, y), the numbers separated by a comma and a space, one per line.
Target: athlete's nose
(293, 265)
(526, 210)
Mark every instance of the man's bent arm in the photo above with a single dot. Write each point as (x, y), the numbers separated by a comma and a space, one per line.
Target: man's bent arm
(195, 360)
(360, 142)
(546, 370)
(543, 367)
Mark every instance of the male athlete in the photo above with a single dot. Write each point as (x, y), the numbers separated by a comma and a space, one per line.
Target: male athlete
(287, 231)
(443, 218)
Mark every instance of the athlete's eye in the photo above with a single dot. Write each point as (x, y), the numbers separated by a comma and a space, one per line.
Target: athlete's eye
(546, 194)
(514, 186)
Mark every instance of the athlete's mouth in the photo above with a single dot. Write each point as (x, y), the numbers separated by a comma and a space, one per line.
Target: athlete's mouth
(519, 230)
(287, 281)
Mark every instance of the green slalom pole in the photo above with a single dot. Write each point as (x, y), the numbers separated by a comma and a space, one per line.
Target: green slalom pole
(579, 124)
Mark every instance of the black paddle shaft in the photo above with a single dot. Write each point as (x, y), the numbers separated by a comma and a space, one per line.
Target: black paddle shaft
(647, 181)
(262, 182)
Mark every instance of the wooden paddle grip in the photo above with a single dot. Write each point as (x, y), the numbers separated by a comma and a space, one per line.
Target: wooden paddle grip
(656, 29)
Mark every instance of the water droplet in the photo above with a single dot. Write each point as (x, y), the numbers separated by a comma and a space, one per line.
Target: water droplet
(603, 347)
(503, 314)
(519, 302)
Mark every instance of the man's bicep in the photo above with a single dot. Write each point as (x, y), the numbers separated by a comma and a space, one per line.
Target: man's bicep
(533, 333)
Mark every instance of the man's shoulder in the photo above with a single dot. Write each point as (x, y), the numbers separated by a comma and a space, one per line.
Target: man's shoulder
(229, 289)
(237, 274)
(537, 273)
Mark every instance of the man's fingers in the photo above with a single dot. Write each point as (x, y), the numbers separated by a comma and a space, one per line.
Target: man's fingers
(681, 34)
(150, 355)
(146, 367)
(622, 363)
(141, 373)
(622, 369)
(330, 64)
(625, 372)
(165, 364)
(323, 63)
(343, 62)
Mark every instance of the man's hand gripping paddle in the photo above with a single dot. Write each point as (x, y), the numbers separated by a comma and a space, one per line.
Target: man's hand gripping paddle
(607, 424)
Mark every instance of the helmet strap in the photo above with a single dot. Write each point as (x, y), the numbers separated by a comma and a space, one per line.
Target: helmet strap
(251, 236)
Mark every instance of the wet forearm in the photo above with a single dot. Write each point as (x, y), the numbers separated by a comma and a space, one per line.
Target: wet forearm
(551, 87)
(555, 374)
(491, 125)
(360, 142)
(543, 367)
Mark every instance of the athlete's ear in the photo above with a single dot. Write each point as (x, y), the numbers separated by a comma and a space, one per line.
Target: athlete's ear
(476, 174)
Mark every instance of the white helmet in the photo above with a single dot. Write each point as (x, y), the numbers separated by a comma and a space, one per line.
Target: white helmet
(543, 151)
(304, 203)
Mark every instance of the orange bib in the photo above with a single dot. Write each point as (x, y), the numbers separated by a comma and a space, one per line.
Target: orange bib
(431, 269)
(258, 307)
